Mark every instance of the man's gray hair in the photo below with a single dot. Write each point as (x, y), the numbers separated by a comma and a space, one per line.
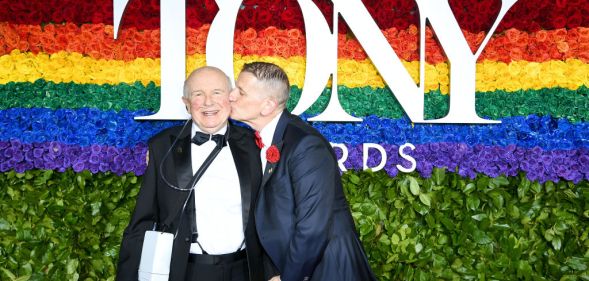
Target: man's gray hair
(201, 69)
(273, 77)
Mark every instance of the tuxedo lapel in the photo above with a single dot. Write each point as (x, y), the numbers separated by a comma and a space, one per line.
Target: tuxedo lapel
(243, 163)
(182, 159)
(278, 142)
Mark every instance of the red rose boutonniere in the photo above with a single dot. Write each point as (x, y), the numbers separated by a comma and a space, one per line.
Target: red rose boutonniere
(272, 154)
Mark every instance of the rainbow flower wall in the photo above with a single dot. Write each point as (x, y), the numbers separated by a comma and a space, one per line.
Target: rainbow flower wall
(69, 91)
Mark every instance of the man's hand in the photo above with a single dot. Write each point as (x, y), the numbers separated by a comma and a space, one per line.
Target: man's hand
(275, 278)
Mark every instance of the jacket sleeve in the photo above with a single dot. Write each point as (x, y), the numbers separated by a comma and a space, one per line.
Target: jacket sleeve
(269, 269)
(311, 169)
(143, 218)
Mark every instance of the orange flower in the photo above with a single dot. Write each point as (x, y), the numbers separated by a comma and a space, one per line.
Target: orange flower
(282, 47)
(562, 46)
(584, 56)
(23, 45)
(191, 46)
(61, 41)
(294, 33)
(49, 29)
(106, 51)
(11, 37)
(128, 53)
(541, 35)
(249, 34)
(512, 35)
(71, 28)
(345, 53)
(248, 44)
(93, 49)
(269, 31)
(154, 37)
(413, 30)
(141, 50)
(97, 28)
(559, 34)
(109, 31)
(583, 34)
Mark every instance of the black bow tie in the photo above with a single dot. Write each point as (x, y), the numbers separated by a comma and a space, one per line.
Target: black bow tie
(200, 138)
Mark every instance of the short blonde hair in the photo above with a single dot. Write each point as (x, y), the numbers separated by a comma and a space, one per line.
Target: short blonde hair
(273, 77)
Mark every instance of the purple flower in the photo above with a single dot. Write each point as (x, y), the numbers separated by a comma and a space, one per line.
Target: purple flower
(39, 163)
(94, 159)
(20, 168)
(95, 149)
(15, 143)
(94, 168)
(78, 166)
(55, 148)
(38, 152)
(18, 156)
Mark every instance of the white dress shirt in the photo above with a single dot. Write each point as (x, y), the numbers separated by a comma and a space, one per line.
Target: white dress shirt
(217, 198)
(267, 134)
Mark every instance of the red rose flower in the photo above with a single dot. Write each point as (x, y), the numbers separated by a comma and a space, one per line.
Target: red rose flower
(272, 154)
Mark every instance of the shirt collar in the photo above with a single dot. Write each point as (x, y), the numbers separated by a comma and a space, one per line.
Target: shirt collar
(267, 133)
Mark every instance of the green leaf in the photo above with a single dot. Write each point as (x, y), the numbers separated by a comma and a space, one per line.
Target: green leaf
(496, 198)
(479, 217)
(395, 239)
(425, 199)
(439, 175)
(473, 202)
(418, 248)
(556, 243)
(469, 188)
(480, 237)
(72, 266)
(354, 179)
(524, 270)
(95, 206)
(499, 181)
(413, 186)
(579, 264)
(7, 272)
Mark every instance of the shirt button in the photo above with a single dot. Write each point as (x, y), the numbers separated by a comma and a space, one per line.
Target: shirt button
(186, 239)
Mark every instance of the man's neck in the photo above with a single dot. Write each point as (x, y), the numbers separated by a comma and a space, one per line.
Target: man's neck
(264, 120)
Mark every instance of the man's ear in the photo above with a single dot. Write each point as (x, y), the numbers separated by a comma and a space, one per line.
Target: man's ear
(269, 106)
(186, 104)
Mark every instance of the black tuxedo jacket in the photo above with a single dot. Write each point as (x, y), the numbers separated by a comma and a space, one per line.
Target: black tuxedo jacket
(302, 216)
(157, 202)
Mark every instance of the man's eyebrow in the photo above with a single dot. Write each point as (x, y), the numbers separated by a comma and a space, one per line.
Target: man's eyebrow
(199, 90)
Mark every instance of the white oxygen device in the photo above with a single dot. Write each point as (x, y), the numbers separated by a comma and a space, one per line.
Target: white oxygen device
(156, 255)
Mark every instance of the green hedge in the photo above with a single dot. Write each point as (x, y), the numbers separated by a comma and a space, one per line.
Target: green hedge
(450, 228)
(63, 226)
(68, 226)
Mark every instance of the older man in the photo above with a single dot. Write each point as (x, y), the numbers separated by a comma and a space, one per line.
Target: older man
(302, 216)
(215, 232)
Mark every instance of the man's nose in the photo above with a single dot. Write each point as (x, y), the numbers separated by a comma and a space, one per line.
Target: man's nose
(208, 100)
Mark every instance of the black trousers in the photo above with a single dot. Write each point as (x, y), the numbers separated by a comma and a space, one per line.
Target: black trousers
(229, 267)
